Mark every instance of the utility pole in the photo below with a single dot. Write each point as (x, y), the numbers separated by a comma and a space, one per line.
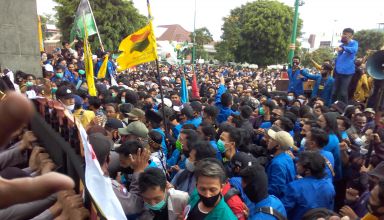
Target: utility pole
(292, 46)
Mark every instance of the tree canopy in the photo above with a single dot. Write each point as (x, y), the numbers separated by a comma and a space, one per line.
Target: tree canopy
(369, 40)
(115, 20)
(258, 32)
(319, 55)
(203, 36)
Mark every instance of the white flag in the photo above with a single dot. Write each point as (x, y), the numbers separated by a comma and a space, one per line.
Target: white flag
(97, 184)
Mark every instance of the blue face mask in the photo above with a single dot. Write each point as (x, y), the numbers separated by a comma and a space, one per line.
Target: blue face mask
(156, 207)
(29, 83)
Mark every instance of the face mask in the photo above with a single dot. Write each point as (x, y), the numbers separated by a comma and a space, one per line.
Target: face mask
(156, 207)
(179, 145)
(296, 63)
(54, 89)
(189, 165)
(261, 111)
(59, 75)
(221, 146)
(209, 201)
(290, 98)
(44, 59)
(113, 95)
(70, 107)
(29, 84)
(359, 141)
(123, 100)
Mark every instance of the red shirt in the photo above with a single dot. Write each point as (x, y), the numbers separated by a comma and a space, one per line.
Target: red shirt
(235, 203)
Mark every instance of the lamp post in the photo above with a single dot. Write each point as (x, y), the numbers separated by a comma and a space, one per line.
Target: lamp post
(292, 46)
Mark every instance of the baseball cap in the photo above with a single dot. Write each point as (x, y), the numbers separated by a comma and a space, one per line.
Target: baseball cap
(283, 138)
(167, 102)
(136, 128)
(113, 123)
(64, 92)
(153, 116)
(136, 113)
(125, 108)
(378, 171)
(48, 68)
(101, 146)
(243, 160)
(370, 110)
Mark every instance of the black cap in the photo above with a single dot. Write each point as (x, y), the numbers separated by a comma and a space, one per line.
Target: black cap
(187, 111)
(196, 106)
(101, 146)
(113, 123)
(125, 108)
(243, 160)
(153, 116)
(64, 92)
(155, 136)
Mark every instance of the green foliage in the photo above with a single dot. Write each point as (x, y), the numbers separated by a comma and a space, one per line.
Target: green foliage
(258, 32)
(202, 37)
(369, 40)
(115, 19)
(318, 56)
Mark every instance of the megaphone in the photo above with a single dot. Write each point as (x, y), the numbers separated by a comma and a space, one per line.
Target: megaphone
(375, 65)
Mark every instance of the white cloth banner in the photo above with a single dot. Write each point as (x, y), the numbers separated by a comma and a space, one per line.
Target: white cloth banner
(97, 184)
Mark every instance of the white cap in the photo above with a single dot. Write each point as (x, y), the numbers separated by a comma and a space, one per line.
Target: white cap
(48, 67)
(167, 102)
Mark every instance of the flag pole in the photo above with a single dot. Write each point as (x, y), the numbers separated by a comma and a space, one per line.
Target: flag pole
(97, 29)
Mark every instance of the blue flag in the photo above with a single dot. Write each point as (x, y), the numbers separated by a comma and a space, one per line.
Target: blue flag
(183, 91)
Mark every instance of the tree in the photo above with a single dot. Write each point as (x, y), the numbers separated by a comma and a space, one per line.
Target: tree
(46, 19)
(318, 56)
(115, 19)
(259, 32)
(369, 40)
(202, 37)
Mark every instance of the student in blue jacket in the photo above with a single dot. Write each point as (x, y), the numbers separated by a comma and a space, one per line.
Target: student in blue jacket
(296, 78)
(323, 83)
(310, 192)
(345, 65)
(223, 102)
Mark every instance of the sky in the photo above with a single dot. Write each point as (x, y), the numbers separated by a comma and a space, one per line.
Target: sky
(319, 16)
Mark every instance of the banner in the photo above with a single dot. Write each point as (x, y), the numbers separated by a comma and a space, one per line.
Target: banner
(40, 32)
(78, 29)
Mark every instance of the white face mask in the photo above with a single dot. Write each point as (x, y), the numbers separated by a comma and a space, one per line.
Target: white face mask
(70, 107)
(189, 165)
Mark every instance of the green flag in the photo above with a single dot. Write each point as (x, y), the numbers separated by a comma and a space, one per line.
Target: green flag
(83, 11)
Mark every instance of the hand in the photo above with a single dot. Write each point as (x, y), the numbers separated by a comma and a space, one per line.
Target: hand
(75, 40)
(169, 185)
(141, 161)
(47, 166)
(246, 211)
(33, 161)
(27, 139)
(222, 81)
(364, 169)
(351, 195)
(347, 211)
(343, 146)
(175, 168)
(22, 190)
(339, 49)
(376, 138)
(354, 136)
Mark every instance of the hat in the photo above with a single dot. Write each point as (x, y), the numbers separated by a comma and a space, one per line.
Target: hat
(370, 110)
(243, 160)
(339, 106)
(187, 111)
(155, 136)
(167, 102)
(125, 108)
(196, 106)
(101, 146)
(136, 113)
(153, 116)
(136, 128)
(283, 138)
(64, 92)
(168, 111)
(113, 123)
(378, 171)
(177, 108)
(48, 68)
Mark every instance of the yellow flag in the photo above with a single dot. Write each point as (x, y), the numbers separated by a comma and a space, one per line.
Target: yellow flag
(138, 48)
(88, 63)
(103, 68)
(40, 32)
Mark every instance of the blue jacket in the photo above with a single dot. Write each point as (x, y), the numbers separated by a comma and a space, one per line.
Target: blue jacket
(307, 193)
(110, 68)
(295, 83)
(236, 183)
(334, 148)
(280, 171)
(345, 61)
(195, 122)
(328, 173)
(270, 201)
(224, 112)
(326, 86)
(218, 153)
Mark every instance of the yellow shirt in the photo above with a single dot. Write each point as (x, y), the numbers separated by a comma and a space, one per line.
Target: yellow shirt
(363, 89)
(84, 116)
(369, 216)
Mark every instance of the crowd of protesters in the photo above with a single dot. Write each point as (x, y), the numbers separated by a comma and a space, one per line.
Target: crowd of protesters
(236, 149)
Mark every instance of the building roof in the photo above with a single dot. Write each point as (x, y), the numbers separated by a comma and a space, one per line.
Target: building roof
(174, 32)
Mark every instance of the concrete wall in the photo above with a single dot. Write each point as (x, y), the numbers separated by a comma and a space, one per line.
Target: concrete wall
(19, 44)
